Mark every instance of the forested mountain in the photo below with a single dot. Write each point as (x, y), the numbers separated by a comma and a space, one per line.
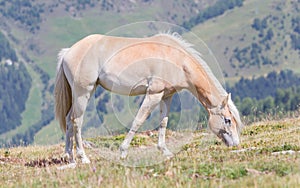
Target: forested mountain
(15, 83)
(264, 86)
(257, 44)
(271, 94)
(272, 38)
(6, 53)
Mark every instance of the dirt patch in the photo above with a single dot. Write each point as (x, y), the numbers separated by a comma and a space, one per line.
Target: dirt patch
(11, 160)
(46, 162)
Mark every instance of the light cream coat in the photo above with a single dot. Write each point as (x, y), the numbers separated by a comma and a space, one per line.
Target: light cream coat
(156, 67)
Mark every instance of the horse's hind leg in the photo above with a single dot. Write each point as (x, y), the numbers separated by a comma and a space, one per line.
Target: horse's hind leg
(149, 103)
(69, 139)
(164, 112)
(79, 106)
(79, 146)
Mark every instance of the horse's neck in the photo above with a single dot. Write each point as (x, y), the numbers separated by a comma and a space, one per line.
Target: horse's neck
(209, 97)
(205, 88)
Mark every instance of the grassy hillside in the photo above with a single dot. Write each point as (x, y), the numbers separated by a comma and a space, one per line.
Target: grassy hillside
(267, 157)
(60, 24)
(234, 30)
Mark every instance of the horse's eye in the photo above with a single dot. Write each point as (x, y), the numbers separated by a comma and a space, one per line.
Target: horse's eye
(227, 121)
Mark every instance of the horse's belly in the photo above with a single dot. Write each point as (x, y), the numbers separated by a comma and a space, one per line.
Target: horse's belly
(123, 85)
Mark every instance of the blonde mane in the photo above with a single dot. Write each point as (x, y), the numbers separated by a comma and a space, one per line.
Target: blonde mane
(197, 55)
(234, 111)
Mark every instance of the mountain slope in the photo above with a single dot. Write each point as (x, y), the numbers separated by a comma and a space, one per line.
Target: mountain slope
(243, 49)
(241, 45)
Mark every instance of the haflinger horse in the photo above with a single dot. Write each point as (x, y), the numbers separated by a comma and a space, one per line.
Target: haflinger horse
(157, 67)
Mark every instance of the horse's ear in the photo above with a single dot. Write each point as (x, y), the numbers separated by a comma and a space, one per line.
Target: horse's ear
(228, 97)
(226, 100)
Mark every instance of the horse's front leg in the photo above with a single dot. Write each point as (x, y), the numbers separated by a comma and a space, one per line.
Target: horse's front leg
(149, 103)
(164, 112)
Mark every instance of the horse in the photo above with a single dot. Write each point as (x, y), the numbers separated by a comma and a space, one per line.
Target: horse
(157, 67)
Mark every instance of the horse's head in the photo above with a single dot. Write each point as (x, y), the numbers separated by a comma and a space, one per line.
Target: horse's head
(224, 121)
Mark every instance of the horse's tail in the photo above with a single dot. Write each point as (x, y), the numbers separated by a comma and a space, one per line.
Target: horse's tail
(63, 92)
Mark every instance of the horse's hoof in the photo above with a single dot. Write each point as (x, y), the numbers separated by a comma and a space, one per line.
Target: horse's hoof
(85, 160)
(66, 157)
(67, 166)
(123, 155)
(168, 154)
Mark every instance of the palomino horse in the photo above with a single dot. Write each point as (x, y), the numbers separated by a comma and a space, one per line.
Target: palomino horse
(156, 67)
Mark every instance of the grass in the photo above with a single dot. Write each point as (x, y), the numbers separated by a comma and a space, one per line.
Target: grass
(233, 21)
(33, 113)
(50, 134)
(203, 162)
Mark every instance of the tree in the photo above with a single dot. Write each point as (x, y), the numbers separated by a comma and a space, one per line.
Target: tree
(6, 51)
(279, 96)
(295, 40)
(246, 106)
(269, 35)
(268, 104)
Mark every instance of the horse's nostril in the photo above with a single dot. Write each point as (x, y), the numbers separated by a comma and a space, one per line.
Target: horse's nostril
(222, 131)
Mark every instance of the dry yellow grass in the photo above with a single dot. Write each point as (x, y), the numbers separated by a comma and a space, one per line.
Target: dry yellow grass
(204, 162)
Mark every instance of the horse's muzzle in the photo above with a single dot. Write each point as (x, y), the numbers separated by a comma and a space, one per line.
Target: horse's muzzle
(228, 139)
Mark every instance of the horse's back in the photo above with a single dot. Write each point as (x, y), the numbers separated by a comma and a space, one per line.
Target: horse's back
(135, 62)
(126, 65)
